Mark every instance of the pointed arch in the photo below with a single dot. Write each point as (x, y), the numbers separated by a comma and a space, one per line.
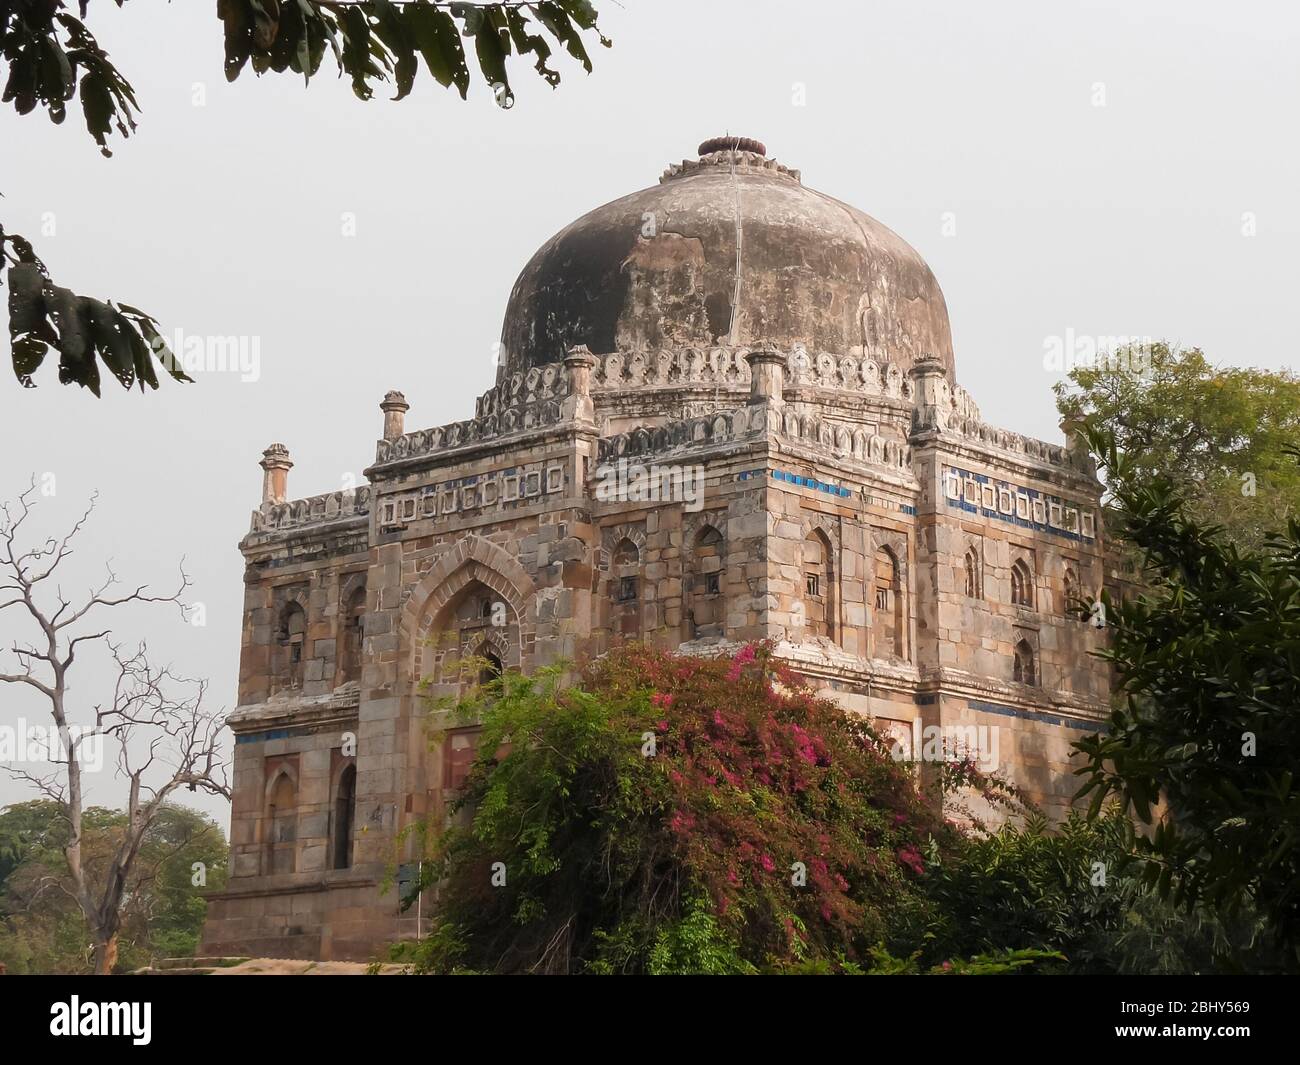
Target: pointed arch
(974, 574)
(492, 571)
(280, 820)
(705, 607)
(821, 602)
(290, 646)
(1024, 667)
(351, 633)
(1022, 584)
(887, 604)
(345, 815)
(1069, 590)
(625, 589)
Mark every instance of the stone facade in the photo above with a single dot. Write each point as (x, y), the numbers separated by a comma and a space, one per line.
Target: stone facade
(848, 505)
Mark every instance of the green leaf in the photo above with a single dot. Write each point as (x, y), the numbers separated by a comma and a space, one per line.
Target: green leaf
(440, 45)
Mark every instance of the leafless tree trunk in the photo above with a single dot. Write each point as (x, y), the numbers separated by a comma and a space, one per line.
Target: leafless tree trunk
(164, 740)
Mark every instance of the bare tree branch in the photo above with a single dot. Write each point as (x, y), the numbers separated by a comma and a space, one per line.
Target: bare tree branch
(148, 705)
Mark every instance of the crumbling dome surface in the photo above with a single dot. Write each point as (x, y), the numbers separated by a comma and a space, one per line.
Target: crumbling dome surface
(729, 248)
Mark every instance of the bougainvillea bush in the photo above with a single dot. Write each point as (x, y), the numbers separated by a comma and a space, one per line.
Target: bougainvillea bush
(678, 814)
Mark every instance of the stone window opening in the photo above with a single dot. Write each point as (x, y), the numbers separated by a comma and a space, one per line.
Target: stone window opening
(1070, 593)
(1023, 666)
(475, 619)
(974, 584)
(625, 590)
(291, 635)
(889, 602)
(345, 812)
(819, 585)
(353, 635)
(705, 608)
(491, 667)
(1022, 585)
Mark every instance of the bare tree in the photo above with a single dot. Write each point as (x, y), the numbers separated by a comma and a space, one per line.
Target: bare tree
(165, 736)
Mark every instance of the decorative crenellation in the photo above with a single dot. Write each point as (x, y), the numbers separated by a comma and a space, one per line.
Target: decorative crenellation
(527, 416)
(840, 438)
(954, 411)
(727, 366)
(740, 159)
(523, 402)
(1027, 446)
(522, 390)
(672, 367)
(315, 510)
(835, 438)
(721, 426)
(1016, 504)
(469, 496)
(848, 373)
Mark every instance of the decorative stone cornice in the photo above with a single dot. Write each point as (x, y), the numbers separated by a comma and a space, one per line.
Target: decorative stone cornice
(303, 711)
(315, 510)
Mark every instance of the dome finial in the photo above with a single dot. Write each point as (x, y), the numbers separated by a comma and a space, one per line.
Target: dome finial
(729, 143)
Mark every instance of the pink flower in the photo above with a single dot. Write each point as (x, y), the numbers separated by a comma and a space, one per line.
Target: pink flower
(662, 700)
(743, 658)
(911, 858)
(766, 862)
(804, 745)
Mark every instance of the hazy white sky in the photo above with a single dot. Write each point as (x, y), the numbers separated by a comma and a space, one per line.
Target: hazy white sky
(1067, 169)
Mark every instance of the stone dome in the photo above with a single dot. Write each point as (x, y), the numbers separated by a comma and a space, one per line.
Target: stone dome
(728, 248)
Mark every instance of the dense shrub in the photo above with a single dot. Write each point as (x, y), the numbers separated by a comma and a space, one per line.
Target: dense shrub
(1075, 890)
(670, 814)
(667, 814)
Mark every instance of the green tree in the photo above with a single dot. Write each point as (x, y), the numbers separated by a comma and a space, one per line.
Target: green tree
(52, 58)
(1220, 431)
(1204, 745)
(42, 929)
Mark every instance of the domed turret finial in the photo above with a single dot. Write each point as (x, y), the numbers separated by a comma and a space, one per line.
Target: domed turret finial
(727, 144)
